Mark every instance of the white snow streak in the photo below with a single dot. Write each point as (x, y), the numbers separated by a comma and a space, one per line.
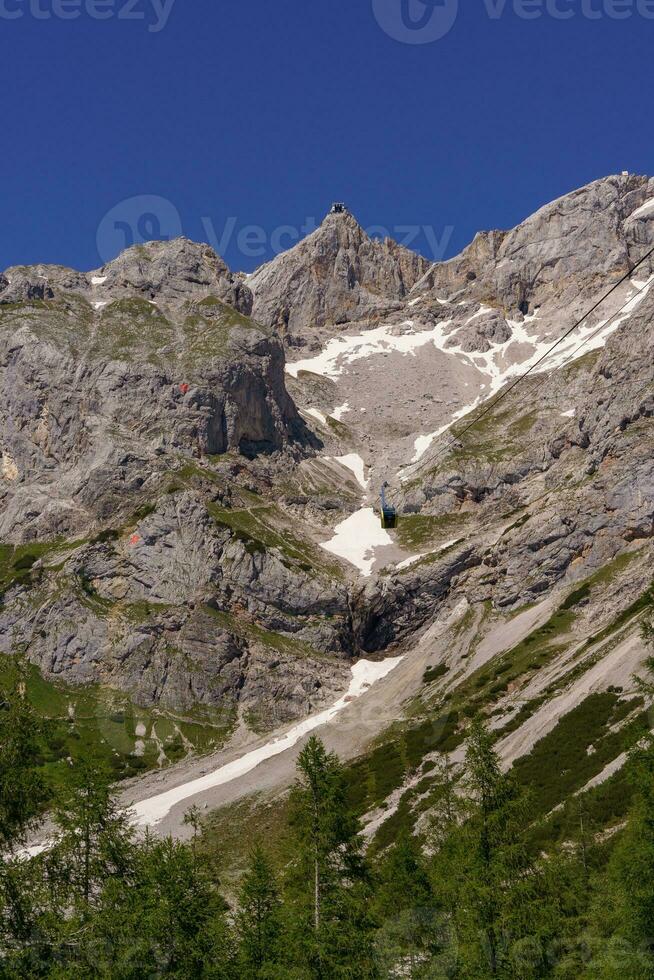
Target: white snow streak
(644, 209)
(422, 443)
(414, 558)
(481, 312)
(592, 337)
(98, 280)
(25, 853)
(389, 338)
(355, 464)
(315, 414)
(364, 674)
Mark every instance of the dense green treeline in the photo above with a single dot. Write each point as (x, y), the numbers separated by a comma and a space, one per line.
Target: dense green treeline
(467, 897)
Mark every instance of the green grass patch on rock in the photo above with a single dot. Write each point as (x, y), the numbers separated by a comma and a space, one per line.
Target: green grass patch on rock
(384, 768)
(432, 674)
(644, 602)
(588, 814)
(578, 748)
(230, 833)
(100, 724)
(264, 526)
(17, 561)
(416, 531)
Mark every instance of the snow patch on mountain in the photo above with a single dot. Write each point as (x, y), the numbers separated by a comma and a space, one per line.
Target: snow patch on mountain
(585, 339)
(354, 463)
(646, 208)
(389, 338)
(340, 411)
(414, 558)
(356, 539)
(315, 414)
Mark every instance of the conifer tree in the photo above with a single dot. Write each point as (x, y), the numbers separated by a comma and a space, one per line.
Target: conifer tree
(405, 908)
(448, 807)
(328, 920)
(259, 919)
(165, 918)
(94, 841)
(22, 791)
(624, 908)
(23, 795)
(330, 852)
(500, 904)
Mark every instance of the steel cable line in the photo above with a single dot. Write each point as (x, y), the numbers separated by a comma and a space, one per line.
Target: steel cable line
(504, 394)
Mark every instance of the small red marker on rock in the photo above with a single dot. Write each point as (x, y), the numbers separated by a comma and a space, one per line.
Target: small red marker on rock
(135, 538)
(183, 388)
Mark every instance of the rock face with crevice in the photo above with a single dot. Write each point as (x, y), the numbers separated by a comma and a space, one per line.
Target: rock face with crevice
(101, 389)
(133, 399)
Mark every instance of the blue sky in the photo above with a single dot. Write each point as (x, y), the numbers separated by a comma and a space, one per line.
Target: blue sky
(215, 117)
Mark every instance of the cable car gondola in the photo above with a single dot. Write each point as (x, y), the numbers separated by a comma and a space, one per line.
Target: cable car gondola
(388, 512)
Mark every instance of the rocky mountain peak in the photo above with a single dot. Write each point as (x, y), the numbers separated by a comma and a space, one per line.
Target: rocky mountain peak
(546, 257)
(20, 283)
(159, 260)
(339, 231)
(175, 270)
(335, 275)
(151, 357)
